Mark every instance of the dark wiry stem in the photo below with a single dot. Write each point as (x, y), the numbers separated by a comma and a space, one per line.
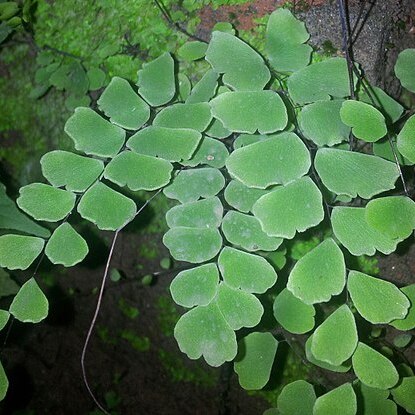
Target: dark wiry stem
(174, 24)
(347, 50)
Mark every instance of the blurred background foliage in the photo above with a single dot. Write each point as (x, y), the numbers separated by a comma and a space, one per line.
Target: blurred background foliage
(57, 55)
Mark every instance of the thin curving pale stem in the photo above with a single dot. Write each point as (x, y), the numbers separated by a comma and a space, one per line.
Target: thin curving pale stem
(99, 302)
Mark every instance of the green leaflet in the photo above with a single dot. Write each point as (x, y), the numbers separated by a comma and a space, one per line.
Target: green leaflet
(285, 38)
(156, 80)
(30, 304)
(222, 89)
(344, 367)
(394, 216)
(190, 185)
(346, 172)
(291, 208)
(205, 213)
(217, 130)
(66, 246)
(249, 111)
(193, 245)
(138, 171)
(249, 272)
(390, 108)
(211, 152)
(172, 144)
(294, 315)
(341, 400)
(184, 86)
(239, 308)
(401, 341)
(58, 78)
(283, 158)
(94, 135)
(78, 82)
(73, 102)
(4, 383)
(5, 30)
(70, 76)
(342, 198)
(382, 148)
(405, 140)
(96, 78)
(242, 197)
(245, 231)
(7, 11)
(225, 27)
(320, 122)
(356, 235)
(289, 402)
(376, 300)
(404, 394)
(366, 121)
(76, 173)
(375, 401)
(255, 358)
(373, 369)
(243, 68)
(7, 285)
(123, 106)
(106, 208)
(277, 258)
(244, 140)
(193, 116)
(4, 318)
(335, 340)
(203, 331)
(408, 323)
(319, 274)
(320, 81)
(18, 252)
(404, 69)
(404, 369)
(192, 51)
(44, 202)
(205, 89)
(13, 219)
(196, 286)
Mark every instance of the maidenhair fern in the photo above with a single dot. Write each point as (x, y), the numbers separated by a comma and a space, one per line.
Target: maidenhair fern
(250, 167)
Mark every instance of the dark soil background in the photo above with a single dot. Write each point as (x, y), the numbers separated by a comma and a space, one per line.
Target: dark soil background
(133, 362)
(43, 360)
